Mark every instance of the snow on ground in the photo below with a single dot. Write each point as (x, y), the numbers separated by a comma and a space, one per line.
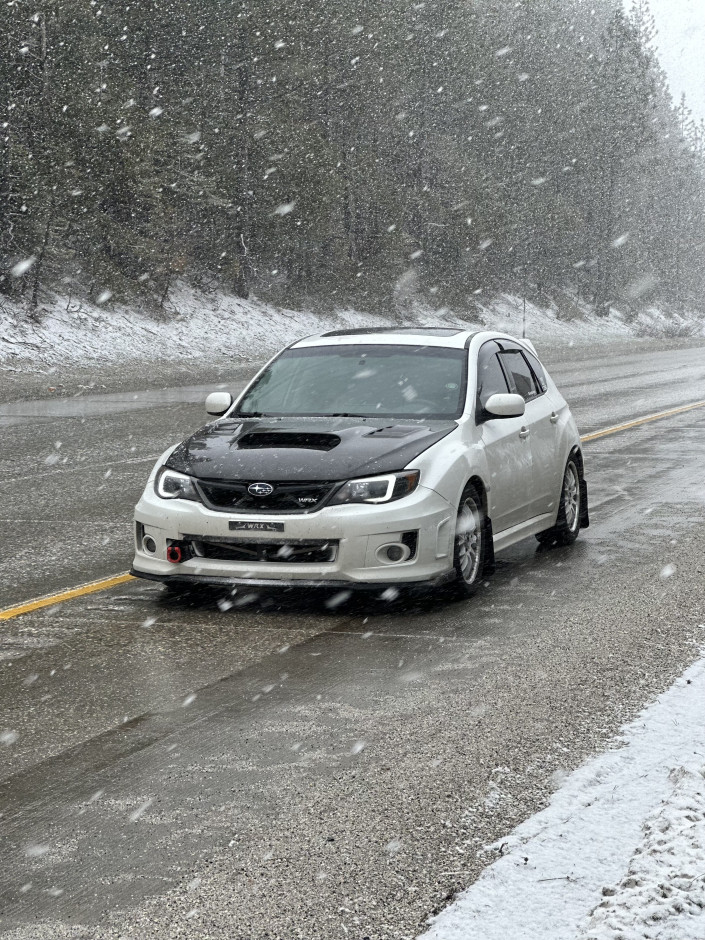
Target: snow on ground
(220, 326)
(619, 853)
(195, 325)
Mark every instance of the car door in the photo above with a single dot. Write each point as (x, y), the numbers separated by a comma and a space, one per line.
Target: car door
(507, 447)
(529, 381)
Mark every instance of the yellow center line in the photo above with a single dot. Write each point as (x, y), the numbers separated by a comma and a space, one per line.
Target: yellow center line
(52, 599)
(106, 583)
(639, 421)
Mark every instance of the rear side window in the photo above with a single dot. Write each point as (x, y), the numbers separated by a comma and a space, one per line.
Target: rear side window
(538, 371)
(490, 378)
(519, 374)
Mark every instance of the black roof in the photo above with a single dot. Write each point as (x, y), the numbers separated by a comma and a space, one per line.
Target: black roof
(426, 330)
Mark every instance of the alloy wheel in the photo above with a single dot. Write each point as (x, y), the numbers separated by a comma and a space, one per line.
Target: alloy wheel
(571, 497)
(468, 540)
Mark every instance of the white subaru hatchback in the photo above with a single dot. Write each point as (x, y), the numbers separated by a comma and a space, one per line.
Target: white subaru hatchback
(368, 458)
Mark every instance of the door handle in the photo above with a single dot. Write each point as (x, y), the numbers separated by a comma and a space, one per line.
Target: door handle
(554, 418)
(524, 433)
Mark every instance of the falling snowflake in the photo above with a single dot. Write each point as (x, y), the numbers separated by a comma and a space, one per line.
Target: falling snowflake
(338, 599)
(141, 810)
(22, 266)
(36, 850)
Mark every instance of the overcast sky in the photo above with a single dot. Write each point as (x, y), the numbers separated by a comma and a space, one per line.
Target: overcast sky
(681, 46)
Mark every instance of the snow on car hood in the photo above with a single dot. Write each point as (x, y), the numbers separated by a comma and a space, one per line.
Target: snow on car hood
(304, 448)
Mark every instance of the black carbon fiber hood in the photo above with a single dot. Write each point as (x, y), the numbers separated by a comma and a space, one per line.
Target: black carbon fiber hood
(270, 449)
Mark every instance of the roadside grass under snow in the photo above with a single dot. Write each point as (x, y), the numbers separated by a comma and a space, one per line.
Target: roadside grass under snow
(619, 853)
(218, 326)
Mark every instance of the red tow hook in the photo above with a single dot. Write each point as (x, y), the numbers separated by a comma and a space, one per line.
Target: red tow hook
(173, 554)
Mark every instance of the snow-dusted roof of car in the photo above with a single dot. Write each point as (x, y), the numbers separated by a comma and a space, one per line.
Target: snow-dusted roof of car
(423, 330)
(401, 335)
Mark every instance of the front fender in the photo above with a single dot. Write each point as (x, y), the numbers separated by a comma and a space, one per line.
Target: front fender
(447, 466)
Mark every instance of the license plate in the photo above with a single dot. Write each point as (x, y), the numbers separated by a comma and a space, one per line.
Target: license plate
(256, 526)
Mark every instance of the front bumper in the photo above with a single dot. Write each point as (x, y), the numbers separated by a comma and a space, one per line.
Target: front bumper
(358, 529)
(296, 584)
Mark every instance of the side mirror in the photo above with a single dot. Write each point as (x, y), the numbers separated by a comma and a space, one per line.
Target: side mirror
(505, 406)
(217, 403)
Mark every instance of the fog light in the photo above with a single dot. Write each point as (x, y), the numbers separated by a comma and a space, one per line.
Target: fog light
(393, 553)
(149, 545)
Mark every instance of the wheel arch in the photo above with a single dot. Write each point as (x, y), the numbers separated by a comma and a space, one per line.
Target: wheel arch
(577, 454)
(478, 485)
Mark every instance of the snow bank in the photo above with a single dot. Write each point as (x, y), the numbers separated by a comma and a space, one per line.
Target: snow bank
(222, 327)
(619, 854)
(195, 325)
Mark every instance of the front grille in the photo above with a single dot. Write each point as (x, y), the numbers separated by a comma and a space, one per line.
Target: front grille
(301, 551)
(287, 497)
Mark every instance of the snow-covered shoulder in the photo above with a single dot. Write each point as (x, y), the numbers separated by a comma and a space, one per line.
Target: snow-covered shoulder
(219, 326)
(620, 850)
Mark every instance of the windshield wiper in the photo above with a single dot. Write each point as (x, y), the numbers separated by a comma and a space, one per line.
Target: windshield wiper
(342, 414)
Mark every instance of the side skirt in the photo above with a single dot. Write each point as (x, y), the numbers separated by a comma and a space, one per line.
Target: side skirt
(523, 530)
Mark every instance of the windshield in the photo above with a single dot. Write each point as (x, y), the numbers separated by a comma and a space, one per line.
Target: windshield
(365, 381)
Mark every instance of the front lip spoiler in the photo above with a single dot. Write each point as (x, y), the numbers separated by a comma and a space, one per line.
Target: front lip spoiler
(288, 584)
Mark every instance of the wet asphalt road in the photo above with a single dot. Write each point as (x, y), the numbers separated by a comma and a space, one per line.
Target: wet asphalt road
(281, 768)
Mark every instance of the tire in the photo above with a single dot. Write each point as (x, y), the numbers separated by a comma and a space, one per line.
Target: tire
(469, 548)
(567, 526)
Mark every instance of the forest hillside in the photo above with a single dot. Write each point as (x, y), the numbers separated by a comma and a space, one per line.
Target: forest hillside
(361, 153)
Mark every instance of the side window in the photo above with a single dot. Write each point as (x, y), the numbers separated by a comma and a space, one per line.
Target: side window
(538, 370)
(519, 374)
(490, 377)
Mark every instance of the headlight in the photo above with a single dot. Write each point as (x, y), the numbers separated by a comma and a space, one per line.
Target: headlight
(172, 485)
(382, 489)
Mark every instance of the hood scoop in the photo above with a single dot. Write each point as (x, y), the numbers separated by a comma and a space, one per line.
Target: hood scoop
(299, 440)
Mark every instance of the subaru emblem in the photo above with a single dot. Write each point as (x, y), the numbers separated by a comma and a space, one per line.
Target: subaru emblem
(260, 489)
